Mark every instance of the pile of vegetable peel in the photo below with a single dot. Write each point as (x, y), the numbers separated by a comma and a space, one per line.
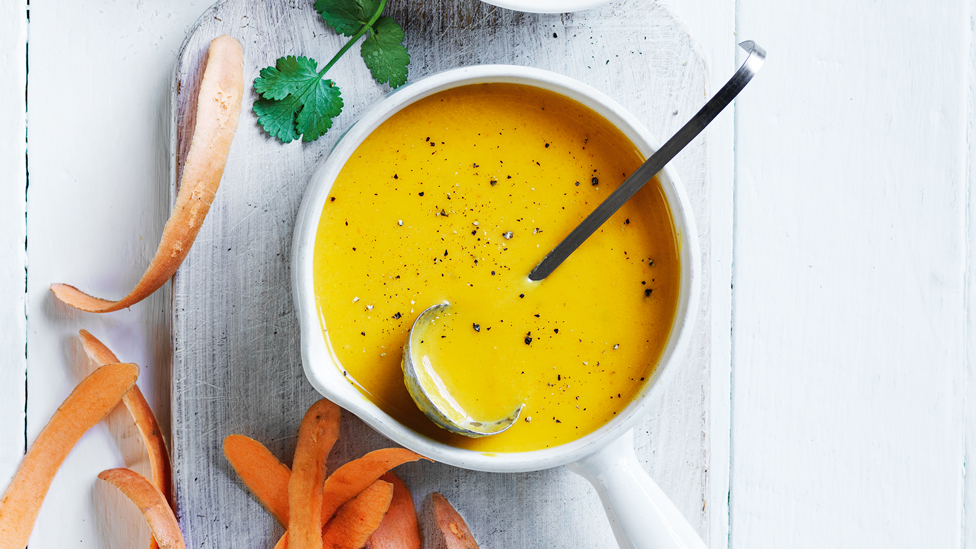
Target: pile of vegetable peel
(360, 504)
(90, 402)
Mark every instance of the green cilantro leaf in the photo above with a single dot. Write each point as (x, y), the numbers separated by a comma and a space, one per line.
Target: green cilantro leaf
(347, 17)
(321, 106)
(277, 117)
(287, 77)
(384, 54)
(295, 100)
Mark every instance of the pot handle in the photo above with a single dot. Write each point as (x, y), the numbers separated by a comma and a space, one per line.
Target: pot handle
(641, 515)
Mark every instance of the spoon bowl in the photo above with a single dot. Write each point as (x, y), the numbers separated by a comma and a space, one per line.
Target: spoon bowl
(429, 391)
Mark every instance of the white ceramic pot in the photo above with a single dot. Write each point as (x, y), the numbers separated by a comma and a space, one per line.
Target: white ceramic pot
(641, 515)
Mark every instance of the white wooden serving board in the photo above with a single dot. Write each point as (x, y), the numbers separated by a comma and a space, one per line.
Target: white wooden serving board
(236, 360)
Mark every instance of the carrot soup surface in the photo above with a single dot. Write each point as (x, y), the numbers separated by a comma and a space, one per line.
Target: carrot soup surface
(456, 198)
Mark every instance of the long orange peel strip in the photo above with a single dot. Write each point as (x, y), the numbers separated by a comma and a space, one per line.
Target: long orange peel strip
(399, 528)
(150, 501)
(356, 521)
(353, 477)
(262, 473)
(218, 110)
(317, 434)
(87, 404)
(145, 421)
(452, 526)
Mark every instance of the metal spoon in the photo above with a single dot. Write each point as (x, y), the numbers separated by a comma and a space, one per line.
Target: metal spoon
(425, 385)
(429, 391)
(655, 163)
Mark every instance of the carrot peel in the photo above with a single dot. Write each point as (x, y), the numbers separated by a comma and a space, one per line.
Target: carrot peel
(452, 526)
(316, 436)
(145, 421)
(356, 520)
(218, 110)
(150, 501)
(399, 529)
(87, 404)
(353, 477)
(262, 473)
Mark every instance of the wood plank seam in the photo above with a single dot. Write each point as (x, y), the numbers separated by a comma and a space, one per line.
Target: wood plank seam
(13, 224)
(967, 526)
(735, 186)
(26, 189)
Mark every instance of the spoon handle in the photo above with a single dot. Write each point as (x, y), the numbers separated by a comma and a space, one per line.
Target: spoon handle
(655, 163)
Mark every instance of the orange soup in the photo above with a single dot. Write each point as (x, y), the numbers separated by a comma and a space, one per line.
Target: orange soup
(456, 198)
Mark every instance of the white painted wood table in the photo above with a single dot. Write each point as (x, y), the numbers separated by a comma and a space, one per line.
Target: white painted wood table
(843, 255)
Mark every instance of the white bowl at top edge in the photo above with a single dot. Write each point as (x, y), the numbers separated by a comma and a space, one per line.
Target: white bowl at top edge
(546, 6)
(320, 363)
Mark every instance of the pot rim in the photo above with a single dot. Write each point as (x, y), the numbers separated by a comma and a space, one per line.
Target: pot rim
(319, 361)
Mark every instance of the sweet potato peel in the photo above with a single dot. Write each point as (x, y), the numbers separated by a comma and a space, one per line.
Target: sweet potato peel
(151, 503)
(452, 526)
(262, 473)
(316, 436)
(88, 404)
(344, 484)
(145, 421)
(358, 518)
(268, 479)
(353, 477)
(352, 502)
(399, 529)
(218, 110)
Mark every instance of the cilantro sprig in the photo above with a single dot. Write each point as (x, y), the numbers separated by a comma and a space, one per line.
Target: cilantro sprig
(296, 99)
